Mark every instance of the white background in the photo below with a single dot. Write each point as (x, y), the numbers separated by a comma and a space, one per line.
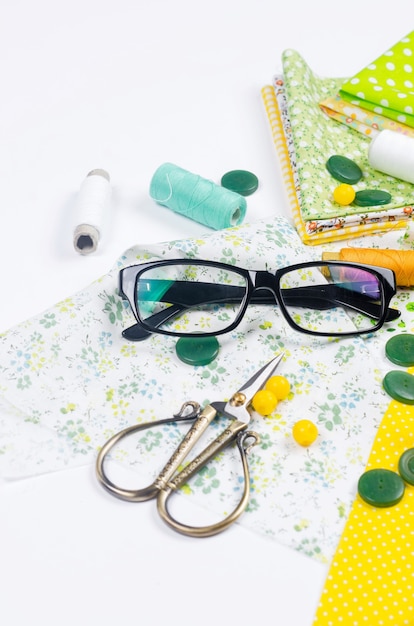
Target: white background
(126, 86)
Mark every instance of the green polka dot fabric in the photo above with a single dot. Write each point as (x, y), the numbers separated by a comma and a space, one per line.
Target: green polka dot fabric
(386, 86)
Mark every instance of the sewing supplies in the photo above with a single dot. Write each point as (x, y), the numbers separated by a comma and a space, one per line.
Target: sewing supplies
(197, 350)
(344, 194)
(91, 211)
(393, 153)
(370, 580)
(240, 181)
(197, 198)
(266, 400)
(385, 488)
(406, 466)
(400, 261)
(305, 432)
(372, 197)
(279, 386)
(400, 349)
(389, 152)
(349, 173)
(381, 487)
(400, 386)
(290, 102)
(237, 408)
(344, 169)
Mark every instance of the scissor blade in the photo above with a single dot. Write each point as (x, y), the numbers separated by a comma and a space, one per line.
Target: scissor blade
(236, 407)
(258, 379)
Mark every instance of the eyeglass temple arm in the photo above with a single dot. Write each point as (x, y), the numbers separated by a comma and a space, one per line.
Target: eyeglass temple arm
(181, 293)
(330, 296)
(138, 332)
(314, 296)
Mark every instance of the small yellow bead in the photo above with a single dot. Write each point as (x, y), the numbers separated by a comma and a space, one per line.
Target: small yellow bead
(264, 402)
(344, 194)
(304, 432)
(279, 385)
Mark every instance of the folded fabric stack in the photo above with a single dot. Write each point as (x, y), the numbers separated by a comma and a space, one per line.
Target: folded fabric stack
(367, 122)
(306, 133)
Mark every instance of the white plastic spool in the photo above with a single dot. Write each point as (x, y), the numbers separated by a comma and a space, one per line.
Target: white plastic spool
(393, 153)
(91, 211)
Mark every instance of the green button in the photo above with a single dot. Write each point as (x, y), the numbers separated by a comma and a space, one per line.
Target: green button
(372, 197)
(343, 169)
(242, 182)
(197, 350)
(400, 349)
(381, 487)
(406, 466)
(400, 386)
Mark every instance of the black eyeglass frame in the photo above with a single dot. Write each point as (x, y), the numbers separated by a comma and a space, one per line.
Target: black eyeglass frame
(257, 281)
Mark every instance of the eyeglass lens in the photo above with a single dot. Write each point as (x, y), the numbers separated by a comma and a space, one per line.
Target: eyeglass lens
(199, 298)
(332, 298)
(322, 299)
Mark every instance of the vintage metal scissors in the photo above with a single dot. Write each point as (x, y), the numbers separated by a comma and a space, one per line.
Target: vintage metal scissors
(238, 409)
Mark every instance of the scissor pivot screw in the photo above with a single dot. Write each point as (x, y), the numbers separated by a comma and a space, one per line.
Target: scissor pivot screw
(238, 399)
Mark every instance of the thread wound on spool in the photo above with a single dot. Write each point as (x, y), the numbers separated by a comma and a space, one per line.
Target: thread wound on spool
(393, 153)
(91, 211)
(400, 261)
(197, 198)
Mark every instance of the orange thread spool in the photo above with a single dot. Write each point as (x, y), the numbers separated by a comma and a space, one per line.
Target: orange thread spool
(400, 261)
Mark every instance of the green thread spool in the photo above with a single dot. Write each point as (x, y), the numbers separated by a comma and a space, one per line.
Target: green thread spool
(197, 198)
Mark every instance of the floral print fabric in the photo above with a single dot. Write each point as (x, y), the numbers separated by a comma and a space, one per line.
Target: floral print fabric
(364, 121)
(69, 381)
(316, 137)
(314, 232)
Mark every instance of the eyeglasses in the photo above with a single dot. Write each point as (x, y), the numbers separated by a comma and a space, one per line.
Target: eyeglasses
(185, 297)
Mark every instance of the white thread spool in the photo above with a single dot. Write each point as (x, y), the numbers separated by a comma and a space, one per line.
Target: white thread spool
(393, 153)
(91, 211)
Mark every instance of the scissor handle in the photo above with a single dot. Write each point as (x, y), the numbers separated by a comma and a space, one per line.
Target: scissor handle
(237, 431)
(203, 420)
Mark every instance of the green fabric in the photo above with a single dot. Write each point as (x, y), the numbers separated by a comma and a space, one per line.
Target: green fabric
(316, 137)
(386, 86)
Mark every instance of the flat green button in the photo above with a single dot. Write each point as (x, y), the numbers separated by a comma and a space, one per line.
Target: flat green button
(406, 466)
(400, 386)
(372, 197)
(197, 350)
(381, 487)
(344, 169)
(241, 181)
(400, 349)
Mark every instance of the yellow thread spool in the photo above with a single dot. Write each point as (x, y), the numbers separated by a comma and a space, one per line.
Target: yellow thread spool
(400, 261)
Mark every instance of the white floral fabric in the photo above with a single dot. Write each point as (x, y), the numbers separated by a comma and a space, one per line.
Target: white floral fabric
(69, 381)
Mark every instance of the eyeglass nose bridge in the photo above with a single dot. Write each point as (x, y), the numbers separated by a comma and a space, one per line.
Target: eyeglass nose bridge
(264, 280)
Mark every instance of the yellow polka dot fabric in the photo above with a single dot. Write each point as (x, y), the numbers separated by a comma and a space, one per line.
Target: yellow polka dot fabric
(371, 578)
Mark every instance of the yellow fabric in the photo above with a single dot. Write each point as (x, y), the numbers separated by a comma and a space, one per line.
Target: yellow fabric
(276, 126)
(371, 578)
